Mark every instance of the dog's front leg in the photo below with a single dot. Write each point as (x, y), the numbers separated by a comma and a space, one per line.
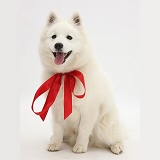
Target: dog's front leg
(57, 137)
(86, 125)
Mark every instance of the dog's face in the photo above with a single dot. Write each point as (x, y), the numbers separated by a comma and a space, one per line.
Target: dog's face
(62, 42)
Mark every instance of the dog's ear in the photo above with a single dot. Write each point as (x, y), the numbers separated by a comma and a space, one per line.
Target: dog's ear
(52, 19)
(76, 19)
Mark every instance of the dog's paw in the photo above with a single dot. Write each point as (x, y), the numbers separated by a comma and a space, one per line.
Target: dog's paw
(79, 149)
(117, 148)
(53, 147)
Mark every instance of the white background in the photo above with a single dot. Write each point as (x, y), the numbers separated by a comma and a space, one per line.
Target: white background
(114, 29)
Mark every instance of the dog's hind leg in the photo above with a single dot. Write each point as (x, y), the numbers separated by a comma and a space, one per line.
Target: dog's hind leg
(109, 132)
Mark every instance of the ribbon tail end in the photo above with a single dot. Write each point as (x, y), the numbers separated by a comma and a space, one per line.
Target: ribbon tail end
(66, 116)
(43, 117)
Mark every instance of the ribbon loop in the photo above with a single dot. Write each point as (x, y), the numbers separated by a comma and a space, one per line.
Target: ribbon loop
(53, 84)
(80, 77)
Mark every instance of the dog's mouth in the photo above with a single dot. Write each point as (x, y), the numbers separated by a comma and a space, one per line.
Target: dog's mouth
(60, 57)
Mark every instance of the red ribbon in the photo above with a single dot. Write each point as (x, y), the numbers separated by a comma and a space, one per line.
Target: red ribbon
(53, 85)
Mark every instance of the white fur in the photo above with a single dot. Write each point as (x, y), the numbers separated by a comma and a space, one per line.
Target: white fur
(94, 120)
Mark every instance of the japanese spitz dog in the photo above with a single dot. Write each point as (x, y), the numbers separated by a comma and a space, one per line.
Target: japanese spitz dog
(94, 121)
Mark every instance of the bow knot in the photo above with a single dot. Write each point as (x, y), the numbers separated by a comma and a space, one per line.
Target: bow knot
(53, 84)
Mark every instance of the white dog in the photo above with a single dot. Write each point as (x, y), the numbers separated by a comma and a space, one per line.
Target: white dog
(94, 121)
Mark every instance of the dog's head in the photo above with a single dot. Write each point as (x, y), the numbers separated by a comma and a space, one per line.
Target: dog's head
(64, 44)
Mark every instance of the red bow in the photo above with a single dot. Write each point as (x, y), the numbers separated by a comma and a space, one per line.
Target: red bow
(53, 85)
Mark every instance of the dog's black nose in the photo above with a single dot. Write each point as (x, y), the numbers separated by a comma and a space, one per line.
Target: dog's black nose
(58, 46)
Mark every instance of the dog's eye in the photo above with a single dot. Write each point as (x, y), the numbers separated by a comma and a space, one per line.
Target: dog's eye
(69, 37)
(54, 36)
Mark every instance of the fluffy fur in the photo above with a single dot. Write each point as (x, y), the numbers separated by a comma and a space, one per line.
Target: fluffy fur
(94, 120)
